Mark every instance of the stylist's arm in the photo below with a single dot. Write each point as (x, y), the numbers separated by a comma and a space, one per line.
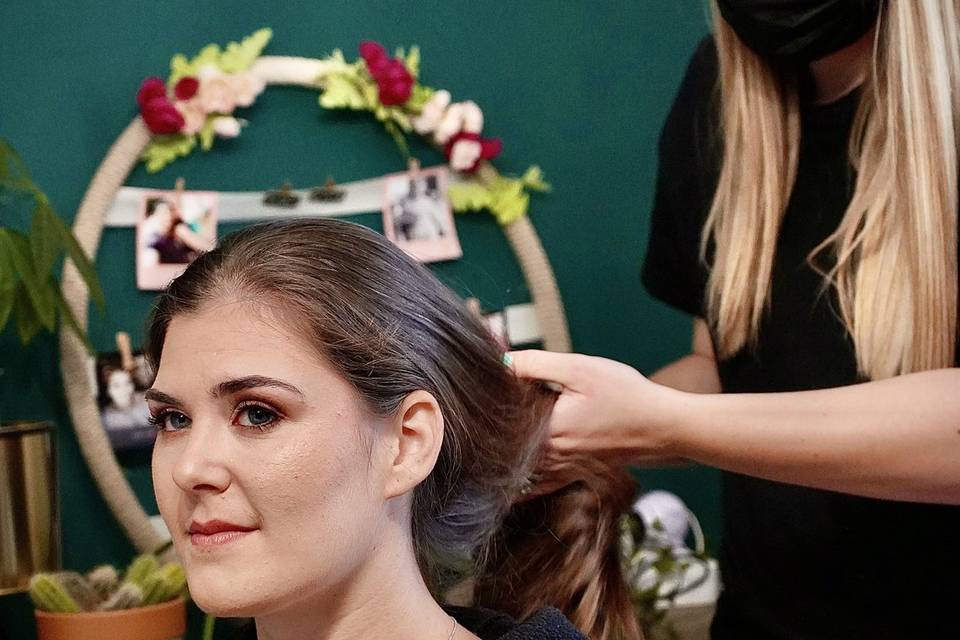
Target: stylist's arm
(813, 438)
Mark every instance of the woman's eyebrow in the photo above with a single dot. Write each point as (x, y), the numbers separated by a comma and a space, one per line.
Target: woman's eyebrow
(228, 387)
(160, 396)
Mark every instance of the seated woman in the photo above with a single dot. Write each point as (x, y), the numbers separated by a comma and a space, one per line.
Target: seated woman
(340, 442)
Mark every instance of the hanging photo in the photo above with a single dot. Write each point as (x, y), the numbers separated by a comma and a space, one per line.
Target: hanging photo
(123, 409)
(417, 216)
(172, 230)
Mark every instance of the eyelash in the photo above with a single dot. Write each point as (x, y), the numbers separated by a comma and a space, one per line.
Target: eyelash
(159, 419)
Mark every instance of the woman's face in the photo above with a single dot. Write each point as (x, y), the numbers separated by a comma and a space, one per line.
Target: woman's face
(257, 431)
(120, 388)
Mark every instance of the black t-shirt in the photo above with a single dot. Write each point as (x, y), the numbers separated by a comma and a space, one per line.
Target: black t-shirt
(545, 624)
(797, 562)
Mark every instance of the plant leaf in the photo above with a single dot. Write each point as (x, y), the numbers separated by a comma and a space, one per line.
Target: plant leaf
(533, 179)
(398, 137)
(412, 61)
(28, 325)
(206, 133)
(469, 196)
(163, 150)
(38, 294)
(7, 296)
(45, 242)
(341, 93)
(67, 317)
(83, 264)
(239, 57)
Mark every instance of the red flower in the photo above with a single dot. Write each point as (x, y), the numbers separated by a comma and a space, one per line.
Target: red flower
(371, 51)
(490, 148)
(394, 82)
(161, 116)
(152, 87)
(186, 88)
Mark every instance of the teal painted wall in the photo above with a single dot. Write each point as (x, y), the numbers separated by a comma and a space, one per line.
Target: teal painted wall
(579, 87)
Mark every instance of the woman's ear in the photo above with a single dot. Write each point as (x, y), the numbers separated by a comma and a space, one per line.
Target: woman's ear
(417, 432)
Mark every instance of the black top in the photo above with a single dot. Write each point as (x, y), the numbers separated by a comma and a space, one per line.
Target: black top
(545, 624)
(797, 562)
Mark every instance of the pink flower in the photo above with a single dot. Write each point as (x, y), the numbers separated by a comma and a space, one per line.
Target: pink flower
(450, 124)
(489, 148)
(152, 87)
(216, 94)
(246, 88)
(161, 116)
(226, 127)
(432, 112)
(186, 88)
(472, 118)
(193, 116)
(464, 155)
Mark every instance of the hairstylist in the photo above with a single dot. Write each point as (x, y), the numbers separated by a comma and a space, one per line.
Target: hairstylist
(806, 216)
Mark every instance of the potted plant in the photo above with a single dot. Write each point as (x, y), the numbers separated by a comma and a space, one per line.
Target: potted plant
(146, 602)
(30, 298)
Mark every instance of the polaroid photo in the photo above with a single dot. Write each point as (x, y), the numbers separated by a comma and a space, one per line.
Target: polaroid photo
(120, 397)
(172, 230)
(417, 215)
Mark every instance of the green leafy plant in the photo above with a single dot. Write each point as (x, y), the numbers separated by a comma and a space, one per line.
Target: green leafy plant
(506, 198)
(29, 292)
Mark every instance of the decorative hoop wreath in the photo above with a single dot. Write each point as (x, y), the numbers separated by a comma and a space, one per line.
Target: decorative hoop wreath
(170, 126)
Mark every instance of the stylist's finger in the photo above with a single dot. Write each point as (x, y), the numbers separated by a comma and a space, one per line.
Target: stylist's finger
(559, 368)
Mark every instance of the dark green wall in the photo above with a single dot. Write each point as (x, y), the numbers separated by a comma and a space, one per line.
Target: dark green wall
(581, 88)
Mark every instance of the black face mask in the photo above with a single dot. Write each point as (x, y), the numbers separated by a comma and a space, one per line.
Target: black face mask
(799, 31)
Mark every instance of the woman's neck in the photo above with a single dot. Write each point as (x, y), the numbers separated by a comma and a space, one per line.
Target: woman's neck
(386, 598)
(842, 71)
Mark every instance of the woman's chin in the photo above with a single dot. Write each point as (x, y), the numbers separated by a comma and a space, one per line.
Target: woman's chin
(228, 602)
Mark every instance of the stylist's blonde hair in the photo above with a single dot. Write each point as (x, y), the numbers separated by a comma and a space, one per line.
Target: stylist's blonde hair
(893, 259)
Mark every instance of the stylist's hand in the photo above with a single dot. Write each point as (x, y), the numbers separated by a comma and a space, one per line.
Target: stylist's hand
(606, 409)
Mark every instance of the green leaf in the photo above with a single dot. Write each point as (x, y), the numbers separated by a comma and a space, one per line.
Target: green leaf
(7, 296)
(206, 133)
(28, 324)
(83, 264)
(38, 293)
(398, 137)
(510, 202)
(163, 150)
(533, 179)
(340, 92)
(45, 243)
(412, 61)
(66, 315)
(419, 97)
(469, 196)
(239, 57)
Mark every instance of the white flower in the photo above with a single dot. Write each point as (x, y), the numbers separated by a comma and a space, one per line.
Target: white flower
(226, 127)
(464, 154)
(432, 112)
(246, 88)
(450, 125)
(472, 118)
(216, 92)
(193, 115)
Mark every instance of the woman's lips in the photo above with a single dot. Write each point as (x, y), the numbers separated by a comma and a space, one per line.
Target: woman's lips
(219, 539)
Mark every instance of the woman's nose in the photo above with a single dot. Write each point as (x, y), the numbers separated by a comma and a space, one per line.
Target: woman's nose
(203, 464)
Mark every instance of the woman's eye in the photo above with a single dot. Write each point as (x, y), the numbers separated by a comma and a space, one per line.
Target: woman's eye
(170, 421)
(255, 416)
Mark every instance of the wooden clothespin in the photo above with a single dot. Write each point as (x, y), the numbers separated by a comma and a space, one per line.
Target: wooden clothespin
(413, 168)
(178, 188)
(126, 352)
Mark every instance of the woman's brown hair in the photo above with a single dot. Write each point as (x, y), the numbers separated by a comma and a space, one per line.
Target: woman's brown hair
(391, 328)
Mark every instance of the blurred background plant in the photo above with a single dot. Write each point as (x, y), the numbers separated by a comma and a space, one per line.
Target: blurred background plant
(30, 254)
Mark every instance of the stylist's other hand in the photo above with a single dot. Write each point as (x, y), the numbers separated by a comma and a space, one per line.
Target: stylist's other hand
(605, 409)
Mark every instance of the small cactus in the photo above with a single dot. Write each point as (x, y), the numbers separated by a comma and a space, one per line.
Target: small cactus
(145, 583)
(140, 568)
(49, 595)
(79, 589)
(104, 579)
(127, 596)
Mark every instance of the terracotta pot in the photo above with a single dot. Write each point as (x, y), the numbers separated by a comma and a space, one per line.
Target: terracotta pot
(165, 621)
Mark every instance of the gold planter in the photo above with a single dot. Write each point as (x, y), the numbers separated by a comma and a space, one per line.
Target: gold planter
(29, 504)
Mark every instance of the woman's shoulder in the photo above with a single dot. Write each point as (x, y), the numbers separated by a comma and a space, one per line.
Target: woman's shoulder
(545, 624)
